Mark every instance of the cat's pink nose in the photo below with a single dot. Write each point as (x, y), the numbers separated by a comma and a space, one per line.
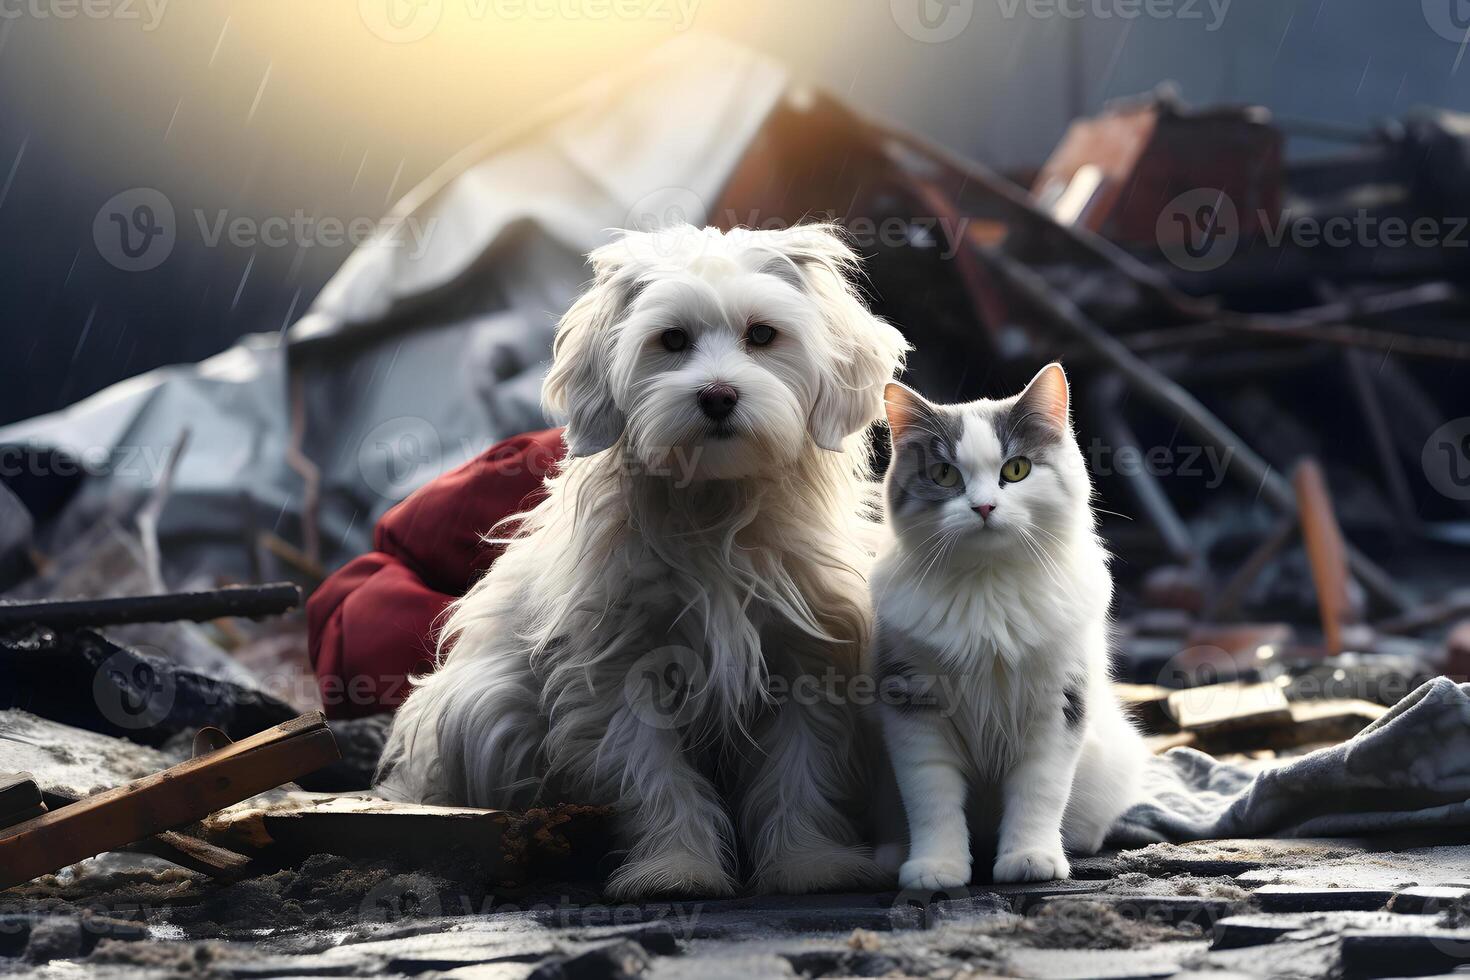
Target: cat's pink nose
(984, 511)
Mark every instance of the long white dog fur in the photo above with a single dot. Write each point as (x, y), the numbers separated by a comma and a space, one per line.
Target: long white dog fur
(714, 557)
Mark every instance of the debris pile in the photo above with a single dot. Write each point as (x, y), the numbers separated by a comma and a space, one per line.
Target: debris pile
(1274, 413)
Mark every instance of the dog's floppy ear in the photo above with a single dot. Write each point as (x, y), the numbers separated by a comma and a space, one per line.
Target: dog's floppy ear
(577, 387)
(866, 351)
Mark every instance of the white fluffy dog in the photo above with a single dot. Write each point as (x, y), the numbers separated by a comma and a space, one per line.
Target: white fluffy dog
(700, 550)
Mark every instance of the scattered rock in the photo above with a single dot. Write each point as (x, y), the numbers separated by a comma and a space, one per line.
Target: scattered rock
(1295, 898)
(615, 961)
(1428, 900)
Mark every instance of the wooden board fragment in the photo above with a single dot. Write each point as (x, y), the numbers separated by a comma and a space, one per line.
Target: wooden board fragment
(299, 824)
(20, 798)
(195, 854)
(165, 800)
(505, 846)
(1220, 707)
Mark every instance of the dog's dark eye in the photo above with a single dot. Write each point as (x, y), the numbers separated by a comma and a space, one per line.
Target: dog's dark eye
(760, 334)
(674, 340)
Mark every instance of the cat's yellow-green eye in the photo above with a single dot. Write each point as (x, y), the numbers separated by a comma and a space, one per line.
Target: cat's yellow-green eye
(944, 474)
(1015, 469)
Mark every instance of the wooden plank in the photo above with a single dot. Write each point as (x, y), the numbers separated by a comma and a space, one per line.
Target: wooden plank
(181, 849)
(165, 800)
(565, 841)
(300, 824)
(1219, 707)
(20, 798)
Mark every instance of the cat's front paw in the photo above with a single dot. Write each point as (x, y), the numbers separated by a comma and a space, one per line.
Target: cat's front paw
(933, 874)
(1036, 864)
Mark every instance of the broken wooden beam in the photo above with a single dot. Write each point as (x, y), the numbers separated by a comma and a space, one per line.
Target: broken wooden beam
(165, 800)
(172, 846)
(196, 855)
(1326, 553)
(248, 601)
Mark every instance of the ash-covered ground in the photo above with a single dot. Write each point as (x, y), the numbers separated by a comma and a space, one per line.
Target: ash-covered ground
(1353, 908)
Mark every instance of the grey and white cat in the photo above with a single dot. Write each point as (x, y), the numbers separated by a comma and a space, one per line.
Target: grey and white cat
(992, 640)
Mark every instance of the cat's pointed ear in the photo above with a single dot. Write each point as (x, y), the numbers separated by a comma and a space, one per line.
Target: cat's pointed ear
(1047, 398)
(904, 406)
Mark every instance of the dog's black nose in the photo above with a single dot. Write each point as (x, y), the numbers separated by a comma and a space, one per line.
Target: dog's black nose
(718, 401)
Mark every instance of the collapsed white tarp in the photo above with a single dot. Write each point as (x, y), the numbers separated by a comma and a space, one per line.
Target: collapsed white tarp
(430, 342)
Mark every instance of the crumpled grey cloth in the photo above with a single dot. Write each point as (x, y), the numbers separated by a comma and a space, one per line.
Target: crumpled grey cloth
(1408, 770)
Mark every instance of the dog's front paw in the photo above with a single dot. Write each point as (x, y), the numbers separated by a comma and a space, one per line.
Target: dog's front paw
(669, 874)
(933, 874)
(826, 869)
(1034, 864)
